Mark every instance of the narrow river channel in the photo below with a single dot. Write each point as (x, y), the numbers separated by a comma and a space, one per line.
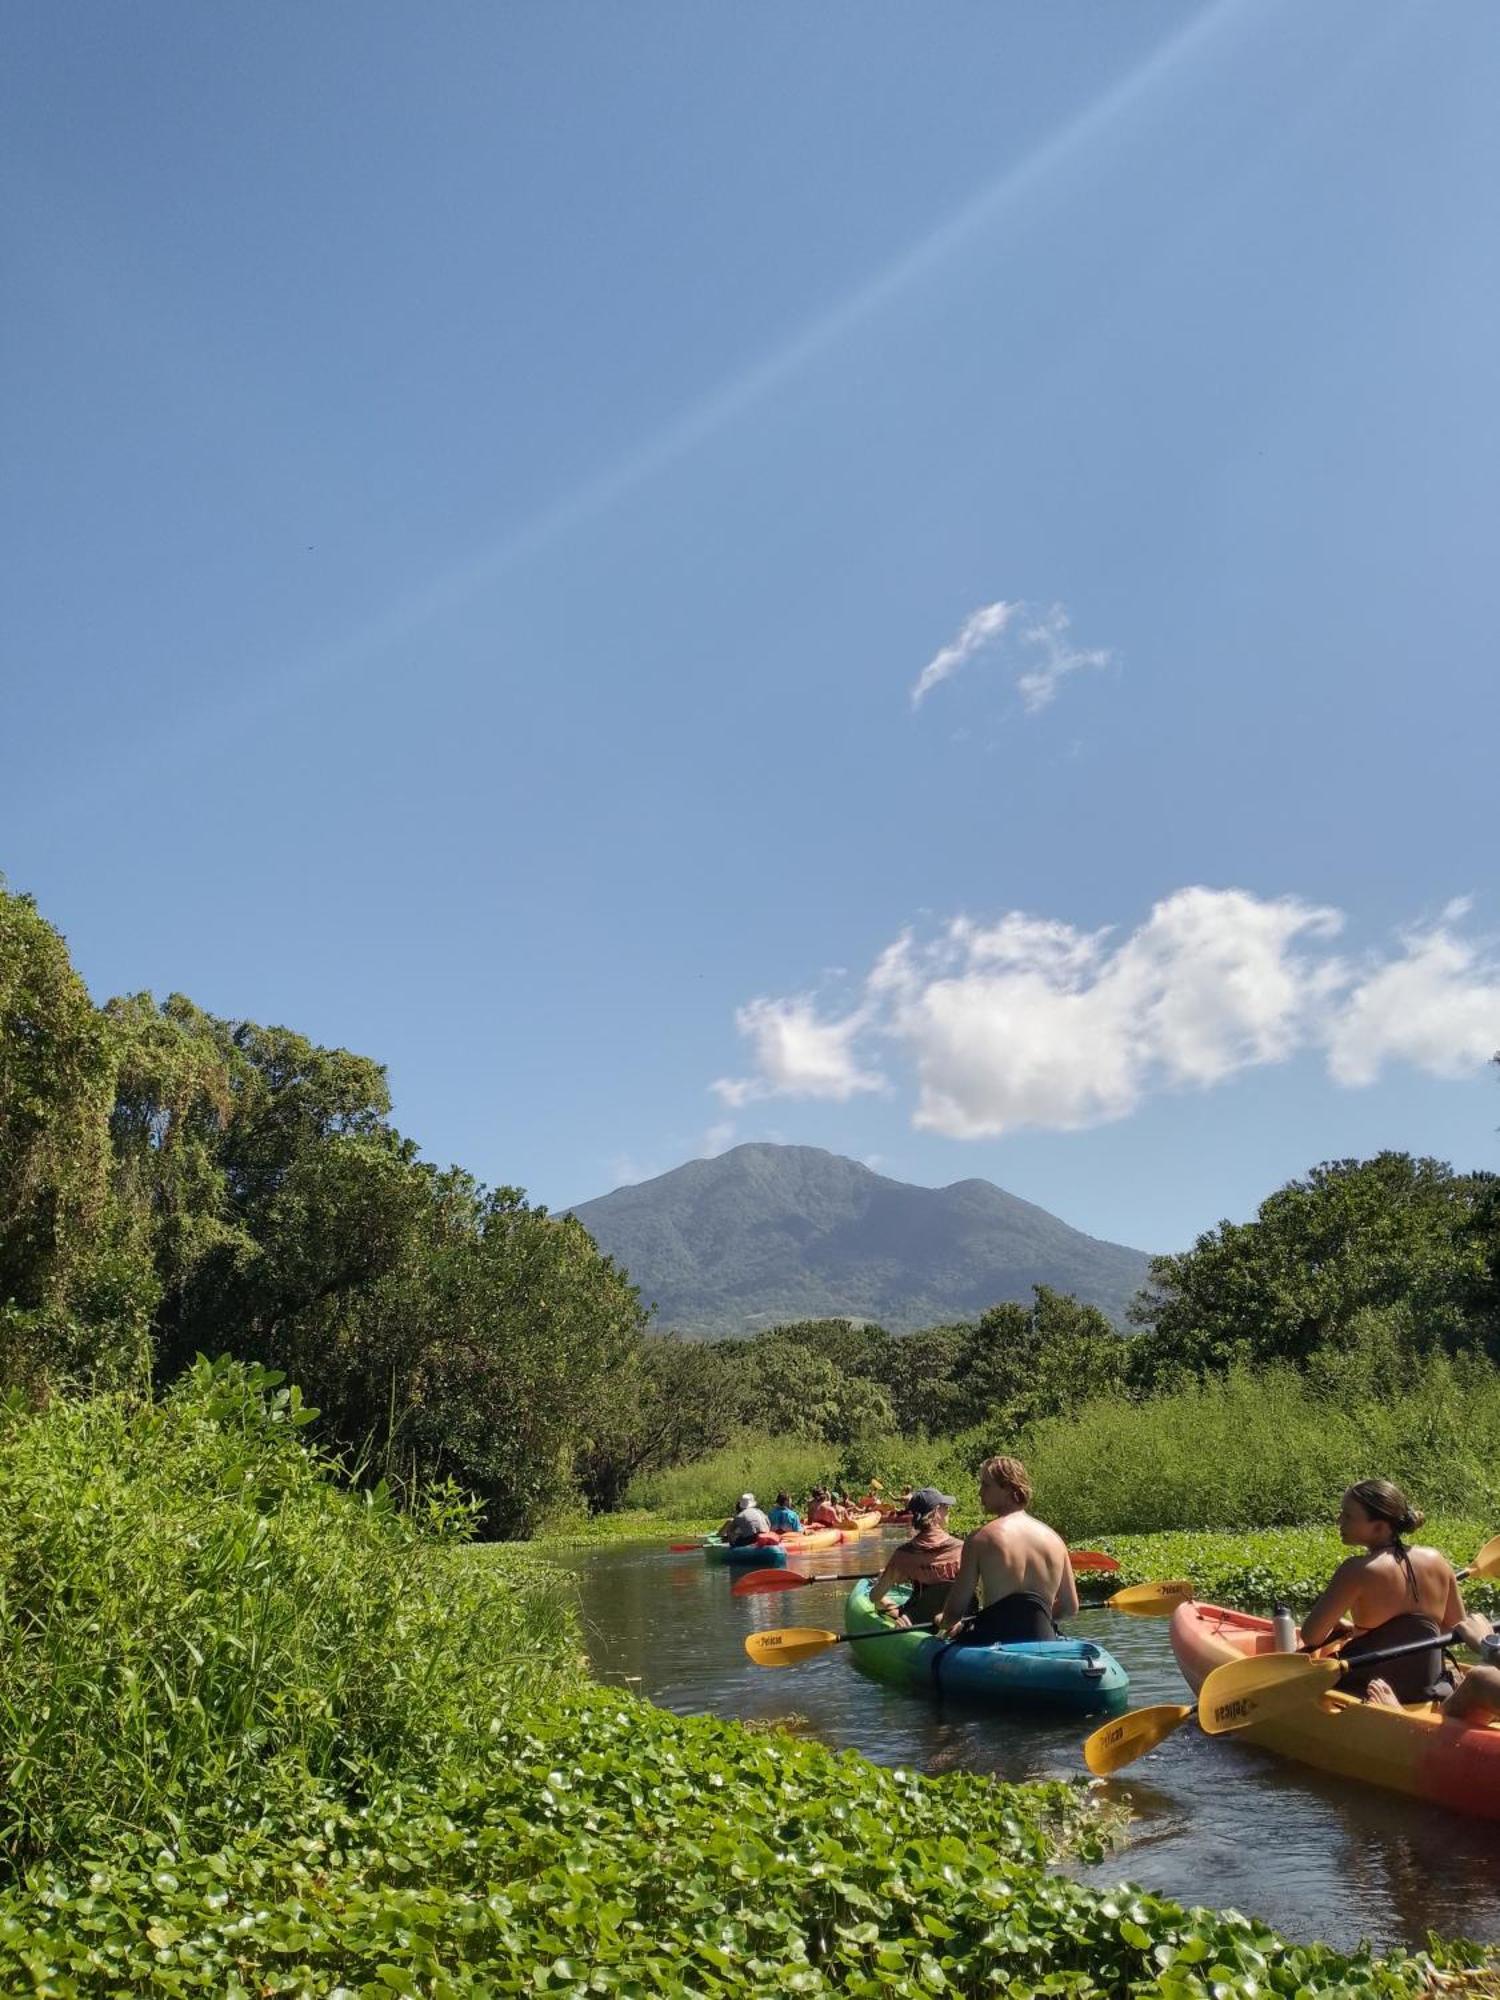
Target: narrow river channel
(1215, 1822)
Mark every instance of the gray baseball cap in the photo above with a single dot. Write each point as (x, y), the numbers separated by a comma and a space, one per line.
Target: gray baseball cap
(927, 1498)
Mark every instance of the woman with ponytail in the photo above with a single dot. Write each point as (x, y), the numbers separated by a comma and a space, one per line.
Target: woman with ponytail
(1390, 1593)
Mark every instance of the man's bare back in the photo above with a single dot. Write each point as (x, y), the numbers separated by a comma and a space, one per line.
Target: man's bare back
(1013, 1554)
(1018, 1552)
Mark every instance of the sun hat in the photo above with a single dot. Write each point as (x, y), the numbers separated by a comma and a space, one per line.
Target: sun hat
(745, 1500)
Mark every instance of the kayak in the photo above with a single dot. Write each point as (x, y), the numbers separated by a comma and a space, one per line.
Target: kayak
(1074, 1674)
(745, 1555)
(870, 1518)
(1413, 1750)
(805, 1540)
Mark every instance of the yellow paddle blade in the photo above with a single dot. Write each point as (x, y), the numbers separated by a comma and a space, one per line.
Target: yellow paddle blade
(1130, 1736)
(790, 1646)
(1152, 1600)
(1487, 1562)
(1266, 1685)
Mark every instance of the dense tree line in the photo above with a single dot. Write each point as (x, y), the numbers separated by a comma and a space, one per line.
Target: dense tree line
(174, 1183)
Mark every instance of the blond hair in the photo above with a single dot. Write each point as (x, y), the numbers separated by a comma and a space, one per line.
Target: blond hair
(1009, 1472)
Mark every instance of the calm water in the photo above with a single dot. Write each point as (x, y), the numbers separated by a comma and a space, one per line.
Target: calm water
(1215, 1822)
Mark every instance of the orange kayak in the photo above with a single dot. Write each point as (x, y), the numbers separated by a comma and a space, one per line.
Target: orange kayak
(1413, 1750)
(807, 1539)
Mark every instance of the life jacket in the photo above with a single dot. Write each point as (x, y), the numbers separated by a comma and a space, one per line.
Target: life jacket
(929, 1562)
(1015, 1619)
(1418, 1677)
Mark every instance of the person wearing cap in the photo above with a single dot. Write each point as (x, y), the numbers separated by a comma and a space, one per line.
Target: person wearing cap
(928, 1560)
(1019, 1567)
(746, 1524)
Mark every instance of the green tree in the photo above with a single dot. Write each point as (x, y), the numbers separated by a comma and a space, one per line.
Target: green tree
(1026, 1362)
(76, 1283)
(1391, 1235)
(674, 1401)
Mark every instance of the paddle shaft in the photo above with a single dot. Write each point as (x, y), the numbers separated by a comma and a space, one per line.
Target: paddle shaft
(1397, 1652)
(896, 1632)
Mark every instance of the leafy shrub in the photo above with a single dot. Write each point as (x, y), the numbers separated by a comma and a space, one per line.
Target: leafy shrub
(198, 1622)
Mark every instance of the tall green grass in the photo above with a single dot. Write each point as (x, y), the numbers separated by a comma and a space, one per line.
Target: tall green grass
(764, 1466)
(197, 1624)
(1266, 1449)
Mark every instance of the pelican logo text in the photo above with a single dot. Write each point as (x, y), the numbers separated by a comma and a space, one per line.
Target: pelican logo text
(1233, 1711)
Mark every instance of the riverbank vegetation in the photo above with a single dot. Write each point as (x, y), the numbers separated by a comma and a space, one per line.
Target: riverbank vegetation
(265, 1735)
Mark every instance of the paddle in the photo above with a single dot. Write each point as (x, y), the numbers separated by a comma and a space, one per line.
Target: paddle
(1131, 1736)
(1152, 1600)
(793, 1644)
(760, 1581)
(1266, 1685)
(1487, 1562)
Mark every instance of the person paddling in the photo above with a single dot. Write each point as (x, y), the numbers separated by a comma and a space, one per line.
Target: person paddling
(746, 1524)
(1392, 1594)
(928, 1560)
(1019, 1566)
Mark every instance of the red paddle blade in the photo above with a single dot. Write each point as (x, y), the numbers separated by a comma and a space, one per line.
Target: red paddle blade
(1093, 1559)
(758, 1581)
(684, 1548)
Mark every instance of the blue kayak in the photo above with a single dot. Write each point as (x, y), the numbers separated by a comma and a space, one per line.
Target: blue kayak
(1052, 1673)
(746, 1555)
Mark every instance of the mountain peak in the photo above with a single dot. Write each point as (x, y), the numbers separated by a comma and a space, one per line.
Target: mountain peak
(764, 1233)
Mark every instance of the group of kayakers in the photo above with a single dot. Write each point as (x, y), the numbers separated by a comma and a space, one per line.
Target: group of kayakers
(1012, 1580)
(825, 1509)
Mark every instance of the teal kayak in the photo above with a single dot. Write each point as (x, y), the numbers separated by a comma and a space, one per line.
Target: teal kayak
(1053, 1673)
(747, 1555)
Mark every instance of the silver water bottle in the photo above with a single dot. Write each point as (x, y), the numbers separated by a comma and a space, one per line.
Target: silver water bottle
(1284, 1626)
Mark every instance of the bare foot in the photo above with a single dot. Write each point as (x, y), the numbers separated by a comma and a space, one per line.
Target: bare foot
(1380, 1694)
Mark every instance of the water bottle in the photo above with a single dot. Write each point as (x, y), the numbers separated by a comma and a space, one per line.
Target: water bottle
(1284, 1626)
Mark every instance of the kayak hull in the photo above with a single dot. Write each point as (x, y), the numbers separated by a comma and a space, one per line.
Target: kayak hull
(1412, 1750)
(807, 1540)
(746, 1555)
(1071, 1674)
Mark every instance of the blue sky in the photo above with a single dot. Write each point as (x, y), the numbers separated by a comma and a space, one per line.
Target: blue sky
(912, 580)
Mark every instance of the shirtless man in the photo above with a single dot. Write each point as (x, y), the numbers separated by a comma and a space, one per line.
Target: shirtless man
(1019, 1565)
(1390, 1594)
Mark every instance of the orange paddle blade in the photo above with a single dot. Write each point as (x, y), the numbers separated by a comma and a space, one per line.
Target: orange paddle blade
(790, 1646)
(683, 1548)
(1267, 1684)
(1487, 1562)
(758, 1581)
(1153, 1600)
(1092, 1559)
(1130, 1736)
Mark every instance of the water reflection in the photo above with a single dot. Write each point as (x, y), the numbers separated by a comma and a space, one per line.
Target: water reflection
(1216, 1821)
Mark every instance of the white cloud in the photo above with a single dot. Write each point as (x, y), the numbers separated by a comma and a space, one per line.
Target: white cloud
(980, 629)
(1437, 1007)
(798, 1054)
(1059, 657)
(1049, 654)
(1029, 1021)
